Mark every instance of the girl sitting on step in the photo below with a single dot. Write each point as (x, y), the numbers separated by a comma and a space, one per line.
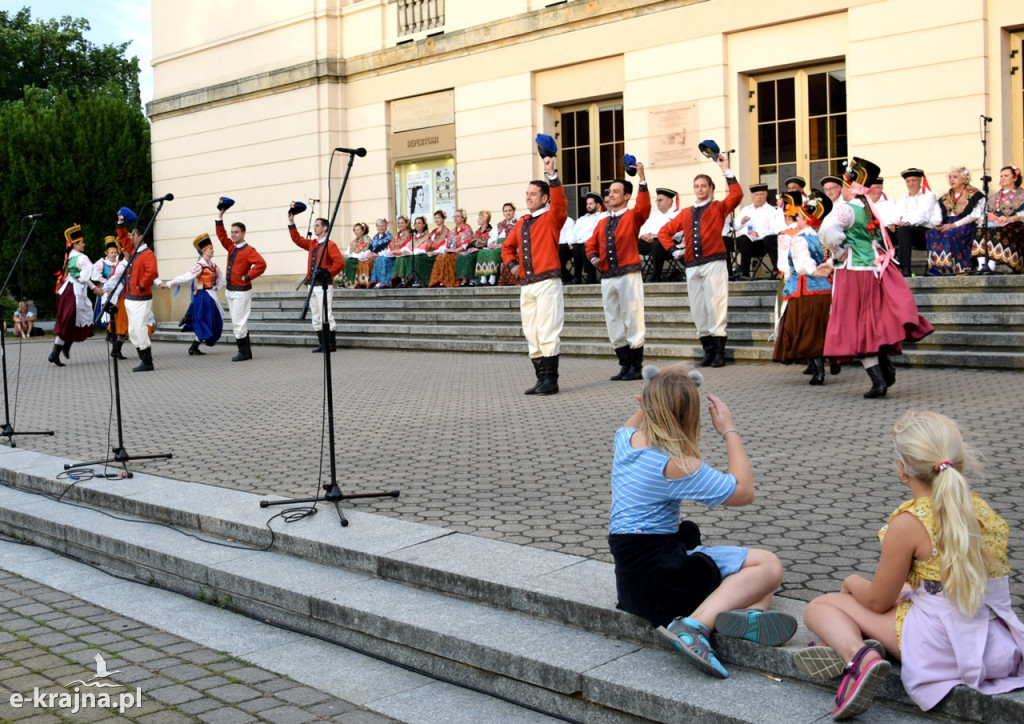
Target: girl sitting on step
(940, 597)
(662, 572)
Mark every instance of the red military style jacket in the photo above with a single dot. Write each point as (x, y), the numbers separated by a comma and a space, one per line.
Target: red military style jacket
(621, 257)
(333, 261)
(710, 246)
(141, 269)
(244, 263)
(533, 243)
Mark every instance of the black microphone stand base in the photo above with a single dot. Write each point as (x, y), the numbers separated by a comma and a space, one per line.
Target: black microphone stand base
(334, 495)
(9, 432)
(122, 458)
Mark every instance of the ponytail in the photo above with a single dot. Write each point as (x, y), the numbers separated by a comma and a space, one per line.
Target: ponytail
(958, 542)
(932, 450)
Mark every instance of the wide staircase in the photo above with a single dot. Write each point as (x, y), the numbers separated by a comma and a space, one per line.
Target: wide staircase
(979, 321)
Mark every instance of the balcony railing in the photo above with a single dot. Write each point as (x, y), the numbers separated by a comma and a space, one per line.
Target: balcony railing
(417, 16)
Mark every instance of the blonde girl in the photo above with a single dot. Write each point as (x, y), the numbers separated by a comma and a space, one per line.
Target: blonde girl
(940, 597)
(662, 572)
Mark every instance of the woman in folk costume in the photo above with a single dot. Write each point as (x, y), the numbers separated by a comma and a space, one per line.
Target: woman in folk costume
(807, 298)
(467, 248)
(489, 258)
(102, 270)
(441, 247)
(204, 311)
(74, 313)
(358, 250)
(384, 256)
(873, 311)
(949, 242)
(401, 248)
(506, 278)
(1003, 239)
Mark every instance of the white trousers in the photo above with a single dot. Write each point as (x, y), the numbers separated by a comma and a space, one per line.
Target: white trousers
(543, 311)
(316, 306)
(707, 286)
(138, 321)
(623, 299)
(239, 307)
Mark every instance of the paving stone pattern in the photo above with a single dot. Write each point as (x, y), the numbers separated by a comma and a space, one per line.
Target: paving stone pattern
(49, 639)
(471, 453)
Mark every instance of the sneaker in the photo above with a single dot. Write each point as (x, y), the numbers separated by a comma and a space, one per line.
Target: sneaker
(691, 639)
(822, 662)
(768, 628)
(859, 685)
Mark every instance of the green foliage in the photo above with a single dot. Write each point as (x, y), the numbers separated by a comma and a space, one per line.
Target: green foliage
(54, 54)
(77, 157)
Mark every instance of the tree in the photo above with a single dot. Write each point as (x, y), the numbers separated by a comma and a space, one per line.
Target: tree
(76, 156)
(55, 55)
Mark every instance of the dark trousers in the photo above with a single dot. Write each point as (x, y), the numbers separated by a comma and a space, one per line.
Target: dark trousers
(565, 256)
(908, 238)
(659, 255)
(750, 248)
(581, 265)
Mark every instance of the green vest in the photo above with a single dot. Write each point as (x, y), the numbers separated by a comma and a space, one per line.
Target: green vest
(860, 240)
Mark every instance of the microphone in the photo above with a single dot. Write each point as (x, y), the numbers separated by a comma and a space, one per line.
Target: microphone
(35, 216)
(987, 119)
(165, 197)
(355, 151)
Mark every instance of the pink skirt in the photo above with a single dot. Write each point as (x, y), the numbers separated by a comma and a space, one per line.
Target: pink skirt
(870, 313)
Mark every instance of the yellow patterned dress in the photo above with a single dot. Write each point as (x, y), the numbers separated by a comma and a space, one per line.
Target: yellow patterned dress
(995, 534)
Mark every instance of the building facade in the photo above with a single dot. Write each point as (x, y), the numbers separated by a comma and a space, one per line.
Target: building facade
(252, 96)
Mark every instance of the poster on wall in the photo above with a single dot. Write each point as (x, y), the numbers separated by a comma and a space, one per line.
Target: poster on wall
(425, 186)
(419, 191)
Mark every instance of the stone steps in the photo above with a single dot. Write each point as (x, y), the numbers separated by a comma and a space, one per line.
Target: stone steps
(536, 627)
(979, 321)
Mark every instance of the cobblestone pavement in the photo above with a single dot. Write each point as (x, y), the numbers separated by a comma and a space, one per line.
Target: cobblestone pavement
(49, 641)
(470, 452)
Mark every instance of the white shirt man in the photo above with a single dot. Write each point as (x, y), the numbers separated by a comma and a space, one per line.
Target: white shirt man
(666, 208)
(913, 218)
(582, 231)
(757, 231)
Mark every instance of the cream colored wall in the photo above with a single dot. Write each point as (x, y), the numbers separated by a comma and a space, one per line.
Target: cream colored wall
(917, 82)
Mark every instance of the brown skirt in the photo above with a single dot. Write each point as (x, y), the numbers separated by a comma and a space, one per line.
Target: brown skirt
(443, 274)
(802, 329)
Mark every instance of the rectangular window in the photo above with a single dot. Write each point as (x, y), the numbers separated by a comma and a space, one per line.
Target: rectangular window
(1016, 70)
(591, 143)
(425, 186)
(799, 120)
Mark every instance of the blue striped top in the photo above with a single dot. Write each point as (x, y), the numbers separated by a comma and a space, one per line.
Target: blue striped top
(645, 501)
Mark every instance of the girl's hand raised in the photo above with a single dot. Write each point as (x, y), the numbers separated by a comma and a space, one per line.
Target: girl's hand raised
(721, 417)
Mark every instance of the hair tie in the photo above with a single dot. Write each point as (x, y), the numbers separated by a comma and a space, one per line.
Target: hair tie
(943, 465)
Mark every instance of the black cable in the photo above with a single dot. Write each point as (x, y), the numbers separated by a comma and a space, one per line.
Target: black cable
(307, 634)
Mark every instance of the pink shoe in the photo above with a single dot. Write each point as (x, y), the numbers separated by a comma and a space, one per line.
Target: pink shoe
(859, 684)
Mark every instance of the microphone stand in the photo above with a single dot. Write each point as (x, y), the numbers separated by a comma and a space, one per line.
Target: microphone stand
(332, 492)
(8, 430)
(121, 456)
(984, 232)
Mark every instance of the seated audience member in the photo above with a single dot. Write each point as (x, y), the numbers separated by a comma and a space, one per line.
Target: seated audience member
(662, 571)
(442, 248)
(913, 218)
(488, 261)
(402, 249)
(666, 208)
(594, 211)
(1002, 239)
(24, 320)
(357, 252)
(465, 250)
(757, 235)
(383, 259)
(951, 236)
(422, 256)
(886, 208)
(940, 597)
(507, 278)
